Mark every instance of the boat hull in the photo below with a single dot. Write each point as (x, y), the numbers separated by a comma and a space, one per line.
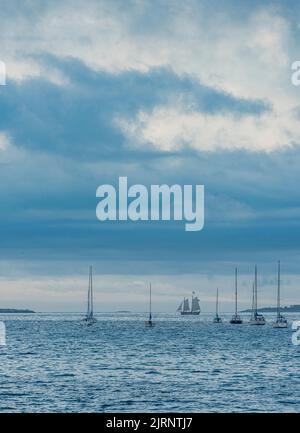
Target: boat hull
(89, 321)
(149, 324)
(190, 313)
(280, 325)
(217, 320)
(257, 322)
(236, 320)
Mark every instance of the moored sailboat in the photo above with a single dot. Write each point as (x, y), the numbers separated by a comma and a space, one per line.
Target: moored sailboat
(281, 321)
(256, 318)
(236, 318)
(217, 318)
(149, 323)
(89, 319)
(185, 309)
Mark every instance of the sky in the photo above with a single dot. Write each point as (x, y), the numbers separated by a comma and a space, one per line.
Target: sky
(163, 92)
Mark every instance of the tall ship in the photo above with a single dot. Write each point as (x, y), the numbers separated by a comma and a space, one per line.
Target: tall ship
(236, 318)
(281, 321)
(89, 319)
(185, 309)
(256, 318)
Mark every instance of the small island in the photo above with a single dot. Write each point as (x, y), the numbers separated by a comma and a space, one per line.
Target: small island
(287, 309)
(15, 311)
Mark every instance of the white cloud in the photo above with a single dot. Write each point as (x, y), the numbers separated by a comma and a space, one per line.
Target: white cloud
(4, 141)
(246, 57)
(171, 128)
(219, 51)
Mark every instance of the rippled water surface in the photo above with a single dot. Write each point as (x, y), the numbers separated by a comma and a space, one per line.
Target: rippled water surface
(52, 363)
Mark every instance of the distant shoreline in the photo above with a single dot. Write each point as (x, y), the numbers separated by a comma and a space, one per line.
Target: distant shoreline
(287, 309)
(15, 311)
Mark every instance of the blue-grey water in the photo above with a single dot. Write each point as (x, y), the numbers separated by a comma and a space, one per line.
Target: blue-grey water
(52, 363)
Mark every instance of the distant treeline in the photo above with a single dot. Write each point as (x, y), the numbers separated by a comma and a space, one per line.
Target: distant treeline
(287, 309)
(14, 310)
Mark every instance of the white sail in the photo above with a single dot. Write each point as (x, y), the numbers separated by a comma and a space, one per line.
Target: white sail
(180, 307)
(195, 304)
(88, 302)
(90, 295)
(185, 309)
(89, 318)
(186, 305)
(279, 316)
(149, 323)
(256, 318)
(281, 321)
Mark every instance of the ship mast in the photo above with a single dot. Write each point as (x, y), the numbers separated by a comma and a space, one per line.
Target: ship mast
(150, 315)
(255, 293)
(89, 291)
(278, 292)
(236, 273)
(253, 289)
(91, 294)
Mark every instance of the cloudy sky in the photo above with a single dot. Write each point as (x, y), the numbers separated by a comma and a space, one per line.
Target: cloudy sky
(163, 91)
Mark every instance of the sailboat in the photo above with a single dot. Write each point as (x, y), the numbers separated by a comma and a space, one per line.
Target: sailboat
(89, 318)
(236, 318)
(185, 309)
(217, 318)
(281, 321)
(256, 318)
(149, 323)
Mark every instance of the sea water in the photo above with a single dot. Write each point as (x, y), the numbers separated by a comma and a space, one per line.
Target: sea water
(53, 363)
